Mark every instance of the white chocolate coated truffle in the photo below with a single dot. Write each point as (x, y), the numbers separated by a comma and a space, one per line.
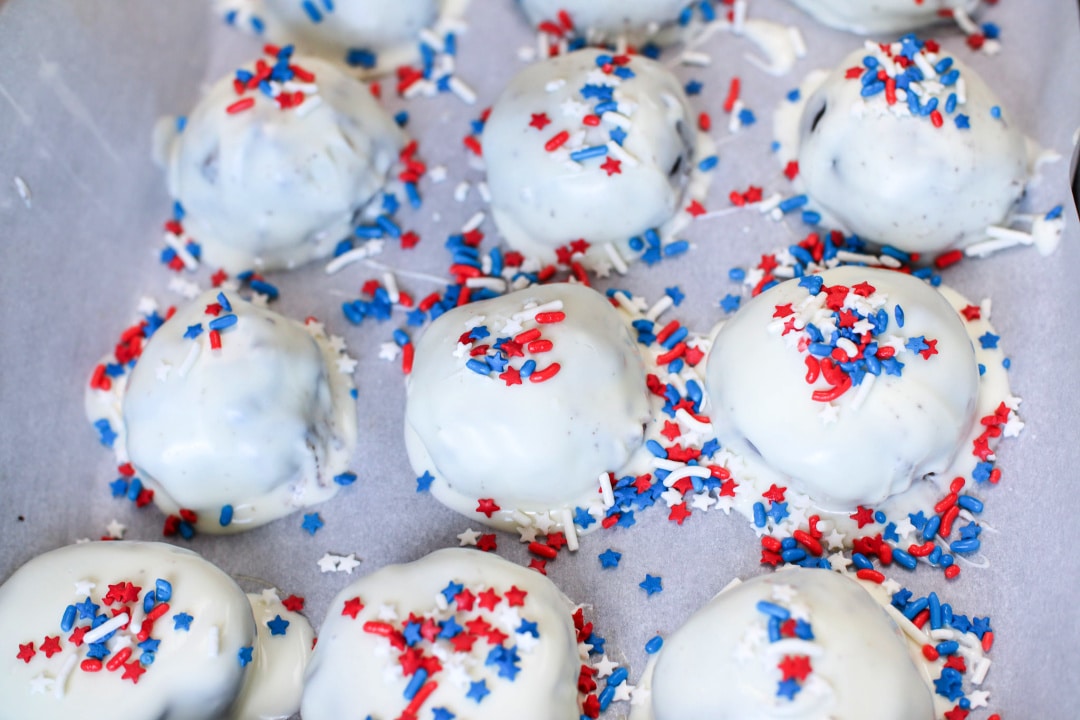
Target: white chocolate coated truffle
(262, 424)
(723, 665)
(608, 19)
(873, 17)
(896, 178)
(542, 199)
(492, 624)
(845, 443)
(188, 666)
(270, 188)
(529, 445)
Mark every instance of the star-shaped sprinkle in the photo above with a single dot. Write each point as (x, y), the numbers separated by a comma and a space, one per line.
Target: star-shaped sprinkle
(423, 483)
(244, 655)
(651, 585)
(468, 537)
(133, 671)
(478, 690)
(539, 121)
(352, 607)
(328, 563)
(347, 563)
(115, 529)
(611, 166)
(312, 523)
(182, 622)
(487, 506)
(278, 625)
(26, 652)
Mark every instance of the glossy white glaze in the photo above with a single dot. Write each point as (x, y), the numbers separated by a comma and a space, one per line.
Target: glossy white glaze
(275, 677)
(263, 424)
(541, 200)
(355, 674)
(195, 674)
(877, 443)
(878, 17)
(533, 446)
(268, 188)
(944, 185)
(720, 665)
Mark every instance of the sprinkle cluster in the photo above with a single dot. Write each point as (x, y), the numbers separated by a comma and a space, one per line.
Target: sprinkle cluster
(512, 358)
(281, 80)
(104, 632)
(914, 78)
(794, 667)
(841, 332)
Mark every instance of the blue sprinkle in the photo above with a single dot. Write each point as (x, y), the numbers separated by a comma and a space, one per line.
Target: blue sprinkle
(423, 483)
(610, 559)
(759, 514)
(1054, 213)
(995, 112)
(223, 322)
(794, 95)
(970, 504)
(358, 57)
(656, 448)
(345, 478)
(163, 590)
(478, 366)
(312, 12)
(589, 153)
(962, 122)
(898, 313)
(708, 163)
(773, 610)
(226, 516)
(793, 203)
(654, 644)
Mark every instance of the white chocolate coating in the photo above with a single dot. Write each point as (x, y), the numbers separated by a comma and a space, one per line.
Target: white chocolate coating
(263, 424)
(608, 19)
(355, 674)
(894, 178)
(195, 674)
(876, 444)
(541, 200)
(533, 446)
(881, 17)
(267, 188)
(720, 664)
(389, 30)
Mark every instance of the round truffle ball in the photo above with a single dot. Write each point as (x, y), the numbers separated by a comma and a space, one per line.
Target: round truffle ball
(924, 160)
(853, 383)
(843, 656)
(607, 19)
(874, 17)
(525, 400)
(505, 635)
(261, 424)
(199, 626)
(265, 186)
(586, 145)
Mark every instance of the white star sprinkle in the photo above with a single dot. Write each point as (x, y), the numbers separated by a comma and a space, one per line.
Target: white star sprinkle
(783, 593)
(162, 371)
(703, 501)
(829, 414)
(337, 342)
(389, 351)
(115, 529)
(469, 537)
(183, 288)
(328, 563)
(386, 612)
(315, 328)
(978, 698)
(623, 692)
(835, 540)
(839, 562)
(348, 563)
(605, 666)
(543, 522)
(147, 305)
(527, 533)
(346, 365)
(39, 684)
(84, 587)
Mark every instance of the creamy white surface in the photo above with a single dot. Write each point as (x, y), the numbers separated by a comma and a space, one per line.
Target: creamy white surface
(196, 674)
(906, 427)
(636, 19)
(873, 17)
(354, 674)
(279, 662)
(262, 424)
(707, 669)
(534, 446)
(268, 188)
(944, 185)
(542, 200)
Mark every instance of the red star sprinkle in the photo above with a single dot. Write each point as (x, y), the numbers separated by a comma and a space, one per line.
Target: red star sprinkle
(556, 540)
(791, 169)
(511, 377)
(132, 671)
(488, 599)
(863, 289)
(972, 312)
(679, 513)
(768, 263)
(213, 309)
(409, 240)
(671, 430)
(957, 713)
(539, 121)
(487, 506)
(479, 626)
(539, 565)
(727, 488)
(579, 246)
(76, 636)
(293, 603)
(464, 600)
(774, 493)
(496, 637)
(695, 209)
(50, 646)
(693, 356)
(352, 607)
(642, 483)
(782, 311)
(515, 597)
(26, 652)
(795, 667)
(931, 349)
(487, 542)
(612, 166)
(863, 516)
(463, 642)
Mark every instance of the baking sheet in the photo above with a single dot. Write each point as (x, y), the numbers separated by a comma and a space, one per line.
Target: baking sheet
(81, 83)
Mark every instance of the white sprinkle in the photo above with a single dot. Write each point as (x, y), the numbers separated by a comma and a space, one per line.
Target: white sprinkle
(616, 118)
(192, 356)
(521, 518)
(979, 673)
(616, 258)
(662, 305)
(105, 628)
(965, 22)
(734, 123)
(695, 58)
(484, 190)
(63, 675)
(864, 389)
(473, 223)
(961, 91)
(620, 153)
(391, 287)
(770, 203)
(429, 38)
(491, 283)
(606, 493)
(460, 88)
(311, 102)
(686, 471)
(567, 522)
(437, 174)
(691, 422)
(371, 247)
(526, 53)
(461, 191)
(798, 44)
(213, 642)
(24, 191)
(739, 17)
(181, 251)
